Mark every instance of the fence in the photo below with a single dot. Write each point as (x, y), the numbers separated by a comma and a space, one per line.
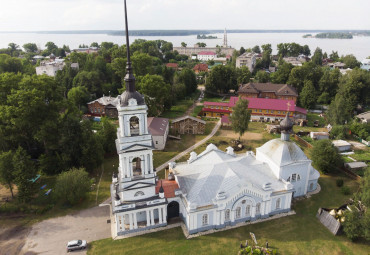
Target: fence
(302, 142)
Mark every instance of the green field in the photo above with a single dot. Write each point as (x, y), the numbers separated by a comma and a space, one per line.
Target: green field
(298, 234)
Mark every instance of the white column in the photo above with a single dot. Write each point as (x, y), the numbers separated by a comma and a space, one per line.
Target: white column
(130, 217)
(253, 211)
(122, 127)
(222, 217)
(135, 221)
(147, 218)
(152, 216)
(148, 163)
(160, 215)
(263, 208)
(164, 214)
(232, 215)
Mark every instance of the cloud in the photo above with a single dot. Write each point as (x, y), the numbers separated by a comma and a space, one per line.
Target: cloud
(184, 14)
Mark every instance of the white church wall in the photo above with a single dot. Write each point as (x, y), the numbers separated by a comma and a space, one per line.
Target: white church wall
(299, 182)
(274, 168)
(141, 193)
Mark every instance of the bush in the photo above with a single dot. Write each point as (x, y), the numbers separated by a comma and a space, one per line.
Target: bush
(346, 190)
(71, 186)
(339, 182)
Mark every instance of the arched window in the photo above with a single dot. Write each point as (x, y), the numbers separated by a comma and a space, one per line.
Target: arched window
(238, 212)
(278, 203)
(298, 177)
(139, 193)
(288, 179)
(311, 186)
(258, 208)
(227, 215)
(134, 126)
(205, 219)
(247, 210)
(294, 177)
(136, 166)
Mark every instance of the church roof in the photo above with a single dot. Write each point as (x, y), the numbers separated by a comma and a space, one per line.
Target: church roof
(214, 171)
(282, 152)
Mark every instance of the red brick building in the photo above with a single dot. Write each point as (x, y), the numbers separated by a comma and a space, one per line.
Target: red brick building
(104, 106)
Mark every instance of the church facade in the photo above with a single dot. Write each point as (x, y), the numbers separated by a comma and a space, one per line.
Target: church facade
(211, 190)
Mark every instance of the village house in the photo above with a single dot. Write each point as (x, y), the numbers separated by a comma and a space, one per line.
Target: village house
(342, 145)
(295, 61)
(268, 90)
(173, 66)
(319, 135)
(50, 67)
(188, 125)
(364, 117)
(158, 128)
(262, 109)
(247, 59)
(206, 55)
(104, 106)
(88, 50)
(200, 68)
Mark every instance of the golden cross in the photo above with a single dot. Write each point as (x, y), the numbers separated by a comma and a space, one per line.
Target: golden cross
(288, 104)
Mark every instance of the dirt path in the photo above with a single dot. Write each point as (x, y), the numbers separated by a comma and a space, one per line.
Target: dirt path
(191, 148)
(13, 238)
(246, 136)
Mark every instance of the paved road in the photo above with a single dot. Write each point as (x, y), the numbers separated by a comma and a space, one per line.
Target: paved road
(180, 155)
(51, 236)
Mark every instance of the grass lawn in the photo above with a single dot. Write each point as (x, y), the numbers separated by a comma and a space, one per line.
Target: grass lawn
(298, 234)
(174, 147)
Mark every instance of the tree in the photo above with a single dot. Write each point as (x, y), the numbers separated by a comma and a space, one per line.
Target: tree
(201, 44)
(317, 57)
(157, 93)
(329, 83)
(95, 44)
(72, 186)
(107, 135)
(188, 78)
(243, 75)
(14, 49)
(281, 76)
(350, 61)
(266, 55)
(306, 50)
(221, 79)
(325, 156)
(262, 76)
(90, 80)
(24, 170)
(30, 47)
(241, 51)
(334, 56)
(183, 44)
(308, 95)
(78, 96)
(256, 49)
(142, 63)
(339, 111)
(240, 117)
(352, 226)
(7, 170)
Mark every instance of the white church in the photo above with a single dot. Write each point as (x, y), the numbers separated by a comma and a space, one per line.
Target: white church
(211, 190)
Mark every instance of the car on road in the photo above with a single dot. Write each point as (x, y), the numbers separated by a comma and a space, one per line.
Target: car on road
(76, 245)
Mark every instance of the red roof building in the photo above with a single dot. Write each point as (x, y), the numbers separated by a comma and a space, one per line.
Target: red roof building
(172, 65)
(200, 68)
(266, 109)
(169, 187)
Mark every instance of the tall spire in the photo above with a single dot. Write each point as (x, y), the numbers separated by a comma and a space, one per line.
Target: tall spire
(225, 38)
(129, 78)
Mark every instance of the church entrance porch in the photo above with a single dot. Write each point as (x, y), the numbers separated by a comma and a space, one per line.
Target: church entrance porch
(135, 221)
(173, 210)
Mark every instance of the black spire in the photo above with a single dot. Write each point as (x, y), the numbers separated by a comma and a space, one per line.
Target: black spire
(130, 91)
(129, 78)
(161, 190)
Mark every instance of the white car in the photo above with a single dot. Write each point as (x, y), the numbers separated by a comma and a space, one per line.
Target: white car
(76, 245)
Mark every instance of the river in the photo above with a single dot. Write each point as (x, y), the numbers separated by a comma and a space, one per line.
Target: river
(359, 46)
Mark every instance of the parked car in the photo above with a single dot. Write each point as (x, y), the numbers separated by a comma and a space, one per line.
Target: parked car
(76, 245)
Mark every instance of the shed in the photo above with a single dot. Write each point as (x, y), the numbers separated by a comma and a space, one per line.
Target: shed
(328, 220)
(188, 125)
(319, 135)
(158, 128)
(342, 145)
(358, 165)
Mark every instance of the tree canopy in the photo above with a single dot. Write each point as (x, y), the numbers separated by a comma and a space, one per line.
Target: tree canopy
(240, 117)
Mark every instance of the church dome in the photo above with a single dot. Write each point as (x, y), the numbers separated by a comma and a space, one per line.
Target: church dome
(286, 124)
(281, 152)
(127, 95)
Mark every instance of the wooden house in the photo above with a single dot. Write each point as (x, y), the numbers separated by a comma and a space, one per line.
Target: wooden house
(188, 125)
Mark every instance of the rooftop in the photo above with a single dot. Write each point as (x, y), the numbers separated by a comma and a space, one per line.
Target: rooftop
(157, 126)
(168, 186)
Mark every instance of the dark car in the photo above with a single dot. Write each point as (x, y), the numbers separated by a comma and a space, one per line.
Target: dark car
(76, 245)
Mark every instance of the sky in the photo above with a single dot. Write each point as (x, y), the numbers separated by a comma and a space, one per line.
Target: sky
(46, 15)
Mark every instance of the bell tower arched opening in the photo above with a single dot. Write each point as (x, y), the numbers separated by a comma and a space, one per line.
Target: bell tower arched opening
(136, 167)
(134, 126)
